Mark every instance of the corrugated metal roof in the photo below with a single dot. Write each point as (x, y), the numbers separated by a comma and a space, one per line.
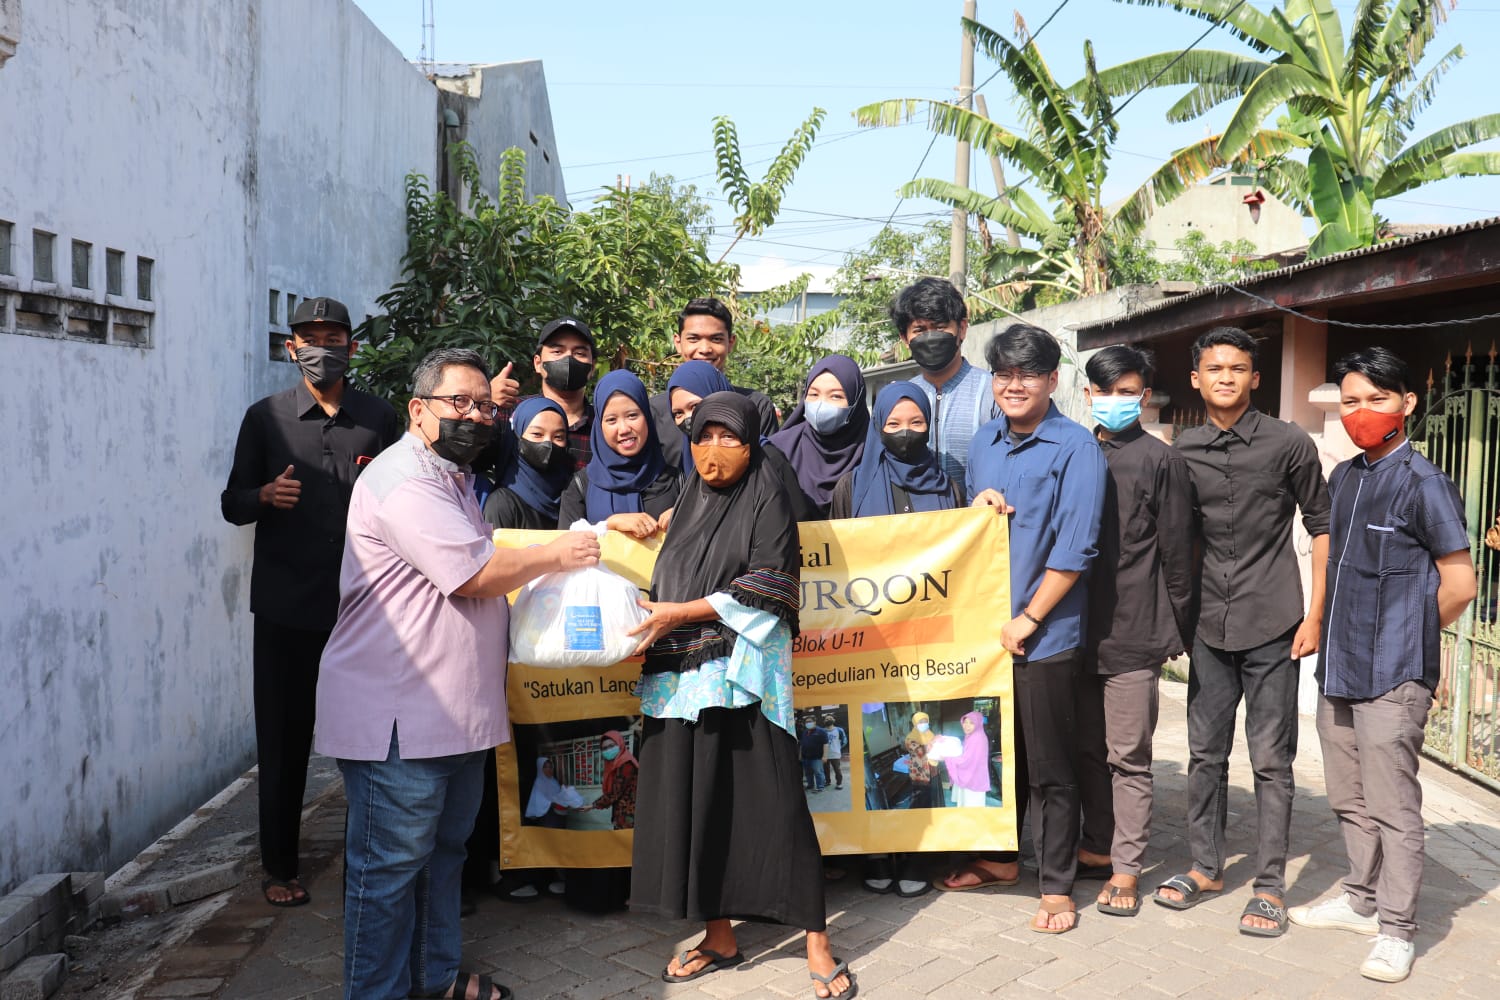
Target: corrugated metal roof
(1220, 289)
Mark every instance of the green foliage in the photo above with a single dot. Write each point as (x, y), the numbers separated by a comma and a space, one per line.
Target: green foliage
(1193, 258)
(491, 277)
(1064, 147)
(869, 279)
(1350, 98)
(759, 202)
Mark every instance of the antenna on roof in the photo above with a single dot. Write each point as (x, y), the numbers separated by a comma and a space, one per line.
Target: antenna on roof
(428, 54)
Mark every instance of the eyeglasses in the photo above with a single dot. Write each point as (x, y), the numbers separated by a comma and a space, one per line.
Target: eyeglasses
(1028, 380)
(464, 405)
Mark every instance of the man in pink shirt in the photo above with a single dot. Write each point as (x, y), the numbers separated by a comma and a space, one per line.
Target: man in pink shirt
(411, 691)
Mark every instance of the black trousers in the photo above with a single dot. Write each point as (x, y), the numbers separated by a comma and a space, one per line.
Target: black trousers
(286, 686)
(1046, 765)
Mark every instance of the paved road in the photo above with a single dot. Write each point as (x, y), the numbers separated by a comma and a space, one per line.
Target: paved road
(941, 945)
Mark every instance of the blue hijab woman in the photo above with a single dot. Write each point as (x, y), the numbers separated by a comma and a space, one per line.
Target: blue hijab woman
(531, 484)
(691, 383)
(627, 484)
(898, 473)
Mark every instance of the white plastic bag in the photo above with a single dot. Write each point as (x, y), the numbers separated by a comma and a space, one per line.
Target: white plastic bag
(575, 619)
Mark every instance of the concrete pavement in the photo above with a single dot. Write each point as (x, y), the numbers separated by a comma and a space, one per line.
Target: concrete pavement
(941, 945)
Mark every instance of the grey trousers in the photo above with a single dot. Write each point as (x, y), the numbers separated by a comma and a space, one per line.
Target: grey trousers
(1116, 722)
(1370, 754)
(1266, 679)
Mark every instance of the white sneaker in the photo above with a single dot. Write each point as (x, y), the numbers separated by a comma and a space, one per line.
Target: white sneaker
(1335, 914)
(1389, 960)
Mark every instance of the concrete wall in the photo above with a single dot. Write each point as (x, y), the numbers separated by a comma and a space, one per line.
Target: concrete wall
(500, 105)
(1218, 211)
(243, 146)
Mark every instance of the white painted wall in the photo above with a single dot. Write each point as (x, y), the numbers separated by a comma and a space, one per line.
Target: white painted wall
(243, 145)
(1218, 211)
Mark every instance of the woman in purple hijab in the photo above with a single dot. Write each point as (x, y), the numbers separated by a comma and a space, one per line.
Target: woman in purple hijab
(825, 435)
(969, 772)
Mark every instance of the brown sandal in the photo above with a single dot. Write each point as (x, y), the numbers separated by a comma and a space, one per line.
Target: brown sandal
(1052, 910)
(985, 876)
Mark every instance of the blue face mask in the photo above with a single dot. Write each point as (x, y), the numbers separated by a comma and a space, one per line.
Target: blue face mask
(610, 752)
(1115, 413)
(826, 418)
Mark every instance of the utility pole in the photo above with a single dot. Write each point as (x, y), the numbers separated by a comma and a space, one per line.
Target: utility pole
(1011, 238)
(959, 244)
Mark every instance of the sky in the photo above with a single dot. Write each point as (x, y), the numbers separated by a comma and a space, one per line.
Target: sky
(634, 90)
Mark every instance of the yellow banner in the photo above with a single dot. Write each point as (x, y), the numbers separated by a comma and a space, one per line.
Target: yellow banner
(900, 619)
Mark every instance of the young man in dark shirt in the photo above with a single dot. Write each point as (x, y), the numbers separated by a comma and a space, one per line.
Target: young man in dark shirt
(1250, 472)
(1399, 570)
(1140, 615)
(295, 463)
(564, 358)
(705, 332)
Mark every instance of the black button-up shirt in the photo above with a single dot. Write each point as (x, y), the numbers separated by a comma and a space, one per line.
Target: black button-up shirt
(1391, 522)
(295, 581)
(1247, 481)
(1141, 587)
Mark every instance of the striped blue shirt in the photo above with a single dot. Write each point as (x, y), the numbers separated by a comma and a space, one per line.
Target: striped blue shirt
(960, 407)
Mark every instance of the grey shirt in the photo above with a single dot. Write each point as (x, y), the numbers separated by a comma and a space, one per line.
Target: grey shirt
(1247, 483)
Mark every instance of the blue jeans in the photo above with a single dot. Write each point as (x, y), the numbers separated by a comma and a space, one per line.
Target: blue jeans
(403, 858)
(812, 773)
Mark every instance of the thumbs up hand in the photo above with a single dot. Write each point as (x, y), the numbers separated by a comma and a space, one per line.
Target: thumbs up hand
(505, 390)
(283, 492)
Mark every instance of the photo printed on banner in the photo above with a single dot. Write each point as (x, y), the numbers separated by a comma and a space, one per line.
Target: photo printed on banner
(579, 775)
(932, 755)
(823, 738)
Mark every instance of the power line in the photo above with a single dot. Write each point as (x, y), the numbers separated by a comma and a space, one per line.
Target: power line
(1360, 326)
(1216, 23)
(1055, 11)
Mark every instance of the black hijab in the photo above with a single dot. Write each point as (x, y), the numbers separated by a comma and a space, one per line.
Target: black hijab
(740, 539)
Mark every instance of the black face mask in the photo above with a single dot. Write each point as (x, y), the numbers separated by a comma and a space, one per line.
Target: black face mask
(543, 456)
(323, 366)
(686, 425)
(933, 350)
(906, 445)
(566, 374)
(461, 441)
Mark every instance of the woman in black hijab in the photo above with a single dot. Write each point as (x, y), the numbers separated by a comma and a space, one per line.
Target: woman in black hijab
(722, 830)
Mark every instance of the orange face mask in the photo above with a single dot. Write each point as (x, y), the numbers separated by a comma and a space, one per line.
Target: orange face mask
(721, 465)
(1370, 429)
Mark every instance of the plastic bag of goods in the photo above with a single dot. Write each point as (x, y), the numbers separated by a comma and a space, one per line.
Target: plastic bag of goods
(575, 619)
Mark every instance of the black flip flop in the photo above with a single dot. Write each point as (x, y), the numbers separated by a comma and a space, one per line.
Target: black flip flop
(840, 968)
(716, 963)
(1192, 893)
(461, 983)
(1259, 906)
(292, 885)
(1115, 892)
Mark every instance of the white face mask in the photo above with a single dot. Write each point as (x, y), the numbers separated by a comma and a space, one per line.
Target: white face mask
(921, 727)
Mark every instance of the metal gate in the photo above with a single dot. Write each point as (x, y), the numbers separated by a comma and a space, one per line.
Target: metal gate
(1460, 433)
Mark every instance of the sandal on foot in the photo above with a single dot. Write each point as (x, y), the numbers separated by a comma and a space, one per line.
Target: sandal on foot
(291, 885)
(840, 968)
(1260, 906)
(487, 988)
(715, 963)
(1114, 909)
(986, 879)
(1052, 910)
(1192, 893)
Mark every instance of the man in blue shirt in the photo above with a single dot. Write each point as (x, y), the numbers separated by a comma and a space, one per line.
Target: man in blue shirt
(932, 321)
(1399, 569)
(1047, 474)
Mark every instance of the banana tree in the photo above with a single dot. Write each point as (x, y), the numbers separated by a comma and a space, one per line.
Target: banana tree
(1351, 99)
(1064, 148)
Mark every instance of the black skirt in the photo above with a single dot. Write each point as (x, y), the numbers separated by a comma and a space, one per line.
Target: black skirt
(722, 829)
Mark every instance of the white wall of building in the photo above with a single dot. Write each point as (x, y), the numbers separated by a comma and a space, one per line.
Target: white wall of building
(1218, 211)
(243, 146)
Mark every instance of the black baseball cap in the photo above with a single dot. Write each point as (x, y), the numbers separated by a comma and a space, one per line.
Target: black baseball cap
(321, 310)
(567, 324)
